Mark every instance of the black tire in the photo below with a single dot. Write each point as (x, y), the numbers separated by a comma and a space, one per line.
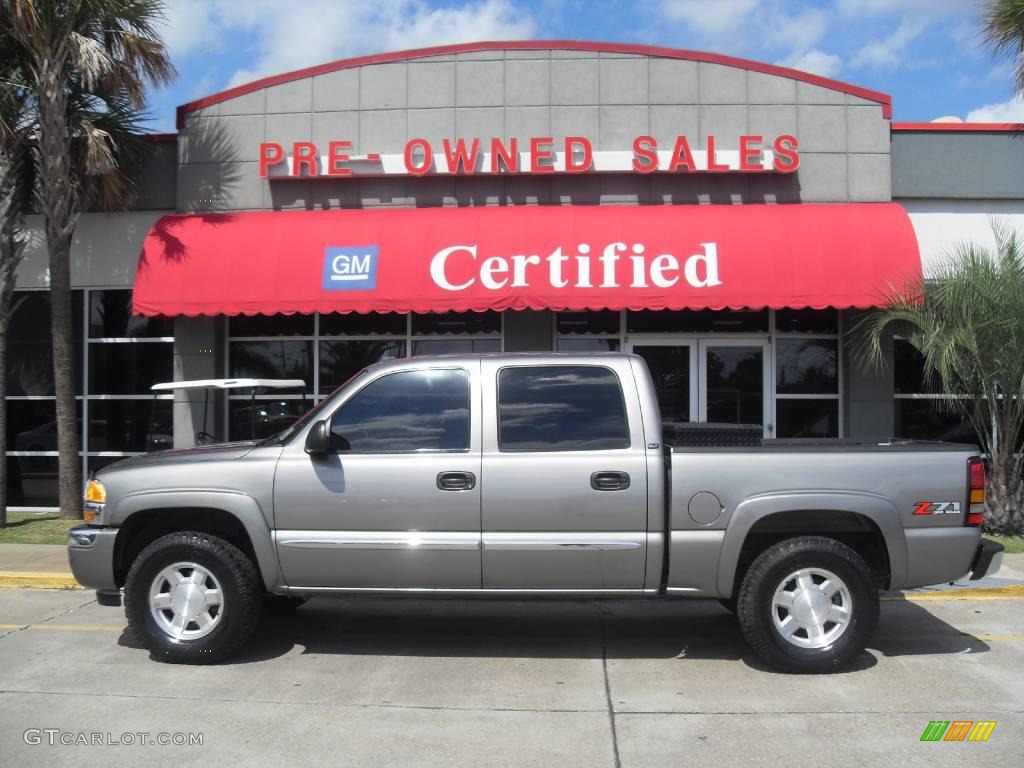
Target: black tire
(239, 583)
(768, 572)
(276, 605)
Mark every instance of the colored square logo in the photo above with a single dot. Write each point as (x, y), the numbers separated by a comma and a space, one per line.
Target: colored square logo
(350, 268)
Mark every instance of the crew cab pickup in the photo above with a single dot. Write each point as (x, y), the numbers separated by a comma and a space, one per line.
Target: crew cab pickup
(529, 476)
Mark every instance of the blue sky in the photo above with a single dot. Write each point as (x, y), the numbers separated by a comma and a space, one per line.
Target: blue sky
(927, 53)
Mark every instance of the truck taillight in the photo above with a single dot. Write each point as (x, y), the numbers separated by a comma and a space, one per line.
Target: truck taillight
(975, 491)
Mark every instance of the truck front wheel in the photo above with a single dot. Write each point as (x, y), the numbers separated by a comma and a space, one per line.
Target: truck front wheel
(192, 598)
(808, 604)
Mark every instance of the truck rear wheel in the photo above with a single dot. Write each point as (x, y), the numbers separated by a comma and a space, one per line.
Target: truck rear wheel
(808, 604)
(192, 598)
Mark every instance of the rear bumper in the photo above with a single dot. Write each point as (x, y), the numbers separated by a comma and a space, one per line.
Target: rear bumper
(91, 553)
(987, 560)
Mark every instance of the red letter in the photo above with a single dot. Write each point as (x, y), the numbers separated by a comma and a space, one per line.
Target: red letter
(335, 158)
(571, 166)
(682, 156)
(460, 157)
(645, 154)
(428, 157)
(786, 148)
(749, 154)
(304, 154)
(509, 157)
(714, 165)
(270, 154)
(540, 149)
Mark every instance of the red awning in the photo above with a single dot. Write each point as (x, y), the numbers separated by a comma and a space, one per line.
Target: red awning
(547, 257)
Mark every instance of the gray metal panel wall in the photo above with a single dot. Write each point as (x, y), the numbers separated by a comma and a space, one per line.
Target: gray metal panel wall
(958, 164)
(518, 94)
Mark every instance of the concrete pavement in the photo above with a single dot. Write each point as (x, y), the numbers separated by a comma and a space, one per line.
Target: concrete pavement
(44, 566)
(487, 683)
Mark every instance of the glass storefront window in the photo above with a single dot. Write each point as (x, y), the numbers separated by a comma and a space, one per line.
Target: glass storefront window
(341, 360)
(605, 321)
(819, 321)
(119, 368)
(272, 359)
(130, 425)
(110, 316)
(29, 349)
(698, 321)
(587, 345)
(355, 324)
(807, 366)
(454, 346)
(32, 481)
(816, 418)
(263, 417)
(270, 325)
(466, 323)
(917, 417)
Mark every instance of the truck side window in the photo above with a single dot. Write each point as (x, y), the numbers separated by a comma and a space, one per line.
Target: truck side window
(560, 408)
(406, 412)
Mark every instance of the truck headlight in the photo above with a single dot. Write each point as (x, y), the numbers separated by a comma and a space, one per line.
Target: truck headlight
(95, 501)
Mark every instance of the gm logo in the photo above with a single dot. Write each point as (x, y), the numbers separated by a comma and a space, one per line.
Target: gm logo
(350, 268)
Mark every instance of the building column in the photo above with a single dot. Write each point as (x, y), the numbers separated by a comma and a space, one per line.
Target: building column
(196, 357)
(869, 407)
(528, 330)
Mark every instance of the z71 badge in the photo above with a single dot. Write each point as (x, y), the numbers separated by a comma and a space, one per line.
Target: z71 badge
(937, 508)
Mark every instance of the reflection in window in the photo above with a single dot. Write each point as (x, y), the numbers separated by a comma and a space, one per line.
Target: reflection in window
(587, 345)
(807, 366)
(455, 346)
(355, 324)
(130, 425)
(250, 419)
(129, 368)
(560, 408)
(807, 418)
(110, 316)
(32, 481)
(270, 325)
(272, 359)
(406, 412)
(341, 360)
(456, 322)
(605, 321)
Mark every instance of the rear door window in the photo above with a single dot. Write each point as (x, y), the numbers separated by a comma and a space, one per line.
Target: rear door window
(561, 408)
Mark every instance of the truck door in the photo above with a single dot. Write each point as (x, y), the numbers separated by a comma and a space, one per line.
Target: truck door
(396, 504)
(564, 477)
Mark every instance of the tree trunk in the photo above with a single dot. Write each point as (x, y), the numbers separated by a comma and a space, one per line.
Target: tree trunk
(60, 212)
(5, 308)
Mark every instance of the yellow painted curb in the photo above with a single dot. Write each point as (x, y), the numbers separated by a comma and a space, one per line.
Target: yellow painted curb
(1009, 592)
(38, 580)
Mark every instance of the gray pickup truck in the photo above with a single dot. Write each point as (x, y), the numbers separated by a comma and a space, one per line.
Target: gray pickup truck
(526, 476)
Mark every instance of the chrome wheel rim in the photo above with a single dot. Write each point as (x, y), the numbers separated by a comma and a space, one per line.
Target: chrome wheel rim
(812, 608)
(186, 601)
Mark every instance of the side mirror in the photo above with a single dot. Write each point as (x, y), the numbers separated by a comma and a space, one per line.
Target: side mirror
(318, 439)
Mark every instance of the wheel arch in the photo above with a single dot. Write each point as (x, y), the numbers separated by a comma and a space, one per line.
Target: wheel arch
(234, 517)
(870, 524)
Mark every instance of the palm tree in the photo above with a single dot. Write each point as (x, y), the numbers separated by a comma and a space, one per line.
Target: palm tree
(967, 322)
(14, 131)
(1004, 31)
(87, 63)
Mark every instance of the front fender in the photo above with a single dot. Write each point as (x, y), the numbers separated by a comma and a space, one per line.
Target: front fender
(242, 507)
(876, 508)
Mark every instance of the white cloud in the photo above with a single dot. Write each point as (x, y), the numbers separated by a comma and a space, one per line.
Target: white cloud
(889, 52)
(816, 62)
(294, 35)
(190, 25)
(1010, 111)
(707, 17)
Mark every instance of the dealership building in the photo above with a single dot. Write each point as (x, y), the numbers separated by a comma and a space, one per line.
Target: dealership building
(728, 220)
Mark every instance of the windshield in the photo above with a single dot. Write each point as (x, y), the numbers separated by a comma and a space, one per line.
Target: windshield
(288, 433)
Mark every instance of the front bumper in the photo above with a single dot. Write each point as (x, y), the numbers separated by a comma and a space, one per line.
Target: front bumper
(987, 560)
(91, 553)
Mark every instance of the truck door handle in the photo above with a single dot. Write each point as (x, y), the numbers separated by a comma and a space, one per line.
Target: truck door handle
(456, 481)
(609, 481)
